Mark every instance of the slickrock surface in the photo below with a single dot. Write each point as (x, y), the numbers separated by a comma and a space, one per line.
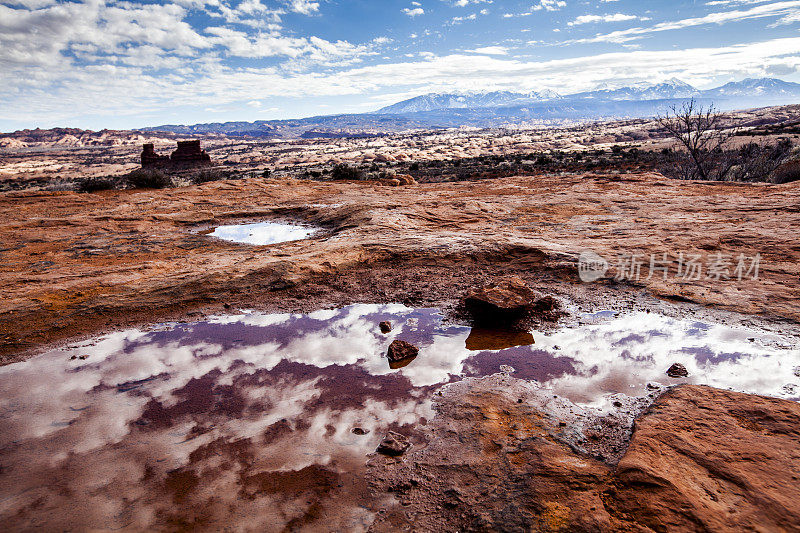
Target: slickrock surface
(75, 263)
(701, 459)
(705, 459)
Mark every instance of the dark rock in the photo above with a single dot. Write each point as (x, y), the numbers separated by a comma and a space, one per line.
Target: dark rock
(385, 326)
(508, 301)
(151, 159)
(360, 431)
(393, 444)
(547, 308)
(188, 154)
(677, 370)
(401, 350)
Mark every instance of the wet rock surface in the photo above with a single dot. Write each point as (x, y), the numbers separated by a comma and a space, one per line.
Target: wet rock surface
(504, 301)
(677, 370)
(76, 263)
(705, 459)
(508, 303)
(393, 444)
(518, 468)
(400, 350)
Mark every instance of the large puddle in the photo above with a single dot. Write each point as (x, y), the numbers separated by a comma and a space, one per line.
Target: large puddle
(247, 421)
(262, 233)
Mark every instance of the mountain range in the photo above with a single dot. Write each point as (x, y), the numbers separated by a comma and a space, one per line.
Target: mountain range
(668, 90)
(488, 109)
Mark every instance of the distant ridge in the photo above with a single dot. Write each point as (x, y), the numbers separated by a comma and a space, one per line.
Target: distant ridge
(670, 89)
(434, 101)
(489, 109)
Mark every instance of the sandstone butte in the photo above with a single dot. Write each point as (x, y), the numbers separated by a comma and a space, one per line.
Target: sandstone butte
(699, 459)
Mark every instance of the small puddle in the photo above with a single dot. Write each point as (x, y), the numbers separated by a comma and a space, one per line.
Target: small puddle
(264, 420)
(262, 233)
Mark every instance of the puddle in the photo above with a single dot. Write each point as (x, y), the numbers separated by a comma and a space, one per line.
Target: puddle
(262, 233)
(263, 420)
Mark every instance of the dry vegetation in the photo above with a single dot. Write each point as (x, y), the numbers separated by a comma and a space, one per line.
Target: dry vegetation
(761, 146)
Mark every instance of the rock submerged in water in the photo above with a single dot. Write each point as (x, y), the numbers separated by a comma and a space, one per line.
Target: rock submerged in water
(393, 444)
(677, 370)
(401, 350)
(508, 301)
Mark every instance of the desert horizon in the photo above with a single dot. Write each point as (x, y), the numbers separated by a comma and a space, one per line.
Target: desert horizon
(435, 265)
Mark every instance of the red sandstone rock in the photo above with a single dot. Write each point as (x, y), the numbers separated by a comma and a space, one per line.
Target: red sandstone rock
(677, 370)
(705, 459)
(393, 444)
(188, 154)
(401, 350)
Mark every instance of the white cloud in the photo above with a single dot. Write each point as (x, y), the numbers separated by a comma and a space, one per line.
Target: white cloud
(130, 90)
(413, 12)
(616, 17)
(770, 10)
(549, 5)
(305, 7)
(491, 50)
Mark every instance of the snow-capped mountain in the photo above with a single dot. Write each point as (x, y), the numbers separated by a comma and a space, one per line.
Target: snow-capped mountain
(669, 89)
(501, 108)
(746, 93)
(434, 101)
(759, 88)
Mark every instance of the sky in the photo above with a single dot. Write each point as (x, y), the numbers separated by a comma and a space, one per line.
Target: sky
(127, 64)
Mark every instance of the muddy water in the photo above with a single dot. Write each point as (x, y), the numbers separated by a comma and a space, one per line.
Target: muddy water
(247, 421)
(262, 233)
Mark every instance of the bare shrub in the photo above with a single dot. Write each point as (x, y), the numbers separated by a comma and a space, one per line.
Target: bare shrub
(702, 136)
(787, 172)
(756, 162)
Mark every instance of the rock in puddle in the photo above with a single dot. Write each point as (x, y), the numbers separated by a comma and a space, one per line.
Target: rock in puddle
(385, 326)
(677, 370)
(401, 351)
(393, 444)
(508, 301)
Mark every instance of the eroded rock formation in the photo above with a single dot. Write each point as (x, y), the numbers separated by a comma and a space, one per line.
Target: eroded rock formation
(188, 154)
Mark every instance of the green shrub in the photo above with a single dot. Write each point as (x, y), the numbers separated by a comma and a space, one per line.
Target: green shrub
(149, 179)
(343, 171)
(204, 176)
(95, 184)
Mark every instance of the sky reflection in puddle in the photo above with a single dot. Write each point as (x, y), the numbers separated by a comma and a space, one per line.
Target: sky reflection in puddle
(248, 419)
(262, 233)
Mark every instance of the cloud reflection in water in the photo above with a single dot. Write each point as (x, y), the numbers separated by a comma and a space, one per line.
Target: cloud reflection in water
(248, 419)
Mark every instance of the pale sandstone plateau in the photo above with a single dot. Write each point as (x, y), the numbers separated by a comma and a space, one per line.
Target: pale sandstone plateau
(498, 454)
